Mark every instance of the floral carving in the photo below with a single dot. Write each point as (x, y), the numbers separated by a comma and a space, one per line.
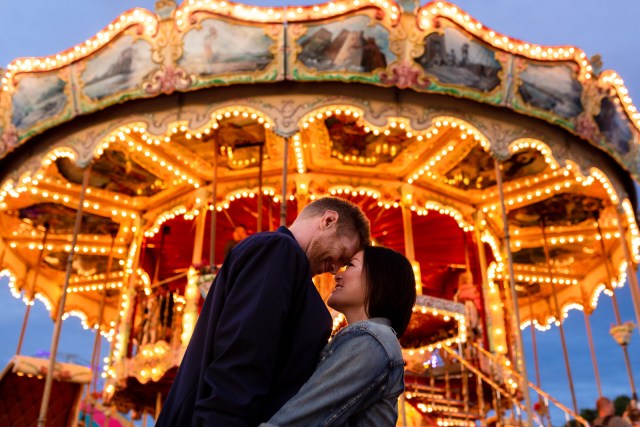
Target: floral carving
(586, 126)
(404, 76)
(168, 79)
(9, 139)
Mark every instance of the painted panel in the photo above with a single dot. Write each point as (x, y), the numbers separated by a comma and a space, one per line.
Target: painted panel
(477, 170)
(551, 88)
(564, 209)
(218, 48)
(114, 171)
(83, 265)
(61, 219)
(121, 68)
(614, 126)
(453, 57)
(37, 99)
(355, 45)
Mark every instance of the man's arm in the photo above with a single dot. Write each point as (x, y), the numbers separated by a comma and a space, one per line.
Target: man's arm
(247, 335)
(345, 382)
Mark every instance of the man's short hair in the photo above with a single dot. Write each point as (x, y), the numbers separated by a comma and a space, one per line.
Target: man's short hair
(601, 403)
(351, 219)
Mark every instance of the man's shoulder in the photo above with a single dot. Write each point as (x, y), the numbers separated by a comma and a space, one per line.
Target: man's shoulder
(271, 243)
(272, 238)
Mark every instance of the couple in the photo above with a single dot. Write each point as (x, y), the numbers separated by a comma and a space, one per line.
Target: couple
(259, 351)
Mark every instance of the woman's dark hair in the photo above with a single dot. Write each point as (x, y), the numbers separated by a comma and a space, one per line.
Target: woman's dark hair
(391, 286)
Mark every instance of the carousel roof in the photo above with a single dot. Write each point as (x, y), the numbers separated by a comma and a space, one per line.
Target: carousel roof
(398, 107)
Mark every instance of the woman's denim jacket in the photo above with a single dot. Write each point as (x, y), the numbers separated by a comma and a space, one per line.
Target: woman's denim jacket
(357, 382)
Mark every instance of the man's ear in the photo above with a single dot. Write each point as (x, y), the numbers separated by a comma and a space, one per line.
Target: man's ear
(329, 219)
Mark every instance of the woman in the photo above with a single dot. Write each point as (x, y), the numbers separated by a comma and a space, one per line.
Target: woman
(361, 370)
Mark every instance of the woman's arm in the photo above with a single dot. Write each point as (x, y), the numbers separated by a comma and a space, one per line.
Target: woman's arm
(345, 381)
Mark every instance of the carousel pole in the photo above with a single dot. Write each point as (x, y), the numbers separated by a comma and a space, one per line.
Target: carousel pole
(407, 226)
(44, 407)
(260, 164)
(4, 251)
(482, 259)
(214, 211)
(403, 409)
(30, 296)
(285, 165)
(95, 354)
(614, 300)
(631, 273)
(592, 351)
(536, 361)
(201, 222)
(559, 318)
(534, 342)
(534, 345)
(516, 322)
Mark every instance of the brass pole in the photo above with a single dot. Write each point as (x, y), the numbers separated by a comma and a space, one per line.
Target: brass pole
(533, 341)
(407, 226)
(31, 295)
(403, 409)
(260, 164)
(214, 211)
(631, 273)
(592, 350)
(480, 394)
(285, 170)
(158, 405)
(482, 258)
(201, 222)
(44, 407)
(516, 322)
(614, 300)
(535, 358)
(95, 354)
(559, 318)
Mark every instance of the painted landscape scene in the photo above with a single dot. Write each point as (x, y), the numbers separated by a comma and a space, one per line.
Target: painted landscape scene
(220, 48)
(453, 58)
(120, 68)
(350, 45)
(552, 89)
(37, 99)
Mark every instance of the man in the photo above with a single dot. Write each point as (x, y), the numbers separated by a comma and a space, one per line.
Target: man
(239, 234)
(263, 323)
(606, 415)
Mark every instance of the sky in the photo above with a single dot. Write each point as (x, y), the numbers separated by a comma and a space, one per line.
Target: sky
(609, 28)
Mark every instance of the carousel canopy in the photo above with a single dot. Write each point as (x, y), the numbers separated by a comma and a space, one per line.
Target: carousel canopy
(398, 107)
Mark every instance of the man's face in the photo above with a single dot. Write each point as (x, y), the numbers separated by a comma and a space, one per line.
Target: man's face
(609, 408)
(241, 233)
(328, 252)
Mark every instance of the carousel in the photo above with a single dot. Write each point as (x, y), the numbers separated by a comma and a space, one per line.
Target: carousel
(502, 169)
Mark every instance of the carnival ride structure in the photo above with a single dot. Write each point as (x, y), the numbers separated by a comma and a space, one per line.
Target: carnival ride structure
(502, 169)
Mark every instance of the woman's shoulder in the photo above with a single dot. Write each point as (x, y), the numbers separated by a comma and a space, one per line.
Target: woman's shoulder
(376, 330)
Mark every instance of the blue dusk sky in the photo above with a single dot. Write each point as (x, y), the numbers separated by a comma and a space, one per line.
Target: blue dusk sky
(610, 28)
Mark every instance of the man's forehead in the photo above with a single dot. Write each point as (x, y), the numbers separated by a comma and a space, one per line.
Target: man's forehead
(350, 243)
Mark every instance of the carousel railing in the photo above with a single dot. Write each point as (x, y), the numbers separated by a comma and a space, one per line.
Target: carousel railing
(510, 376)
(500, 393)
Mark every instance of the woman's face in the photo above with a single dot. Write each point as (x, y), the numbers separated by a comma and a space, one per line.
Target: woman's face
(350, 290)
